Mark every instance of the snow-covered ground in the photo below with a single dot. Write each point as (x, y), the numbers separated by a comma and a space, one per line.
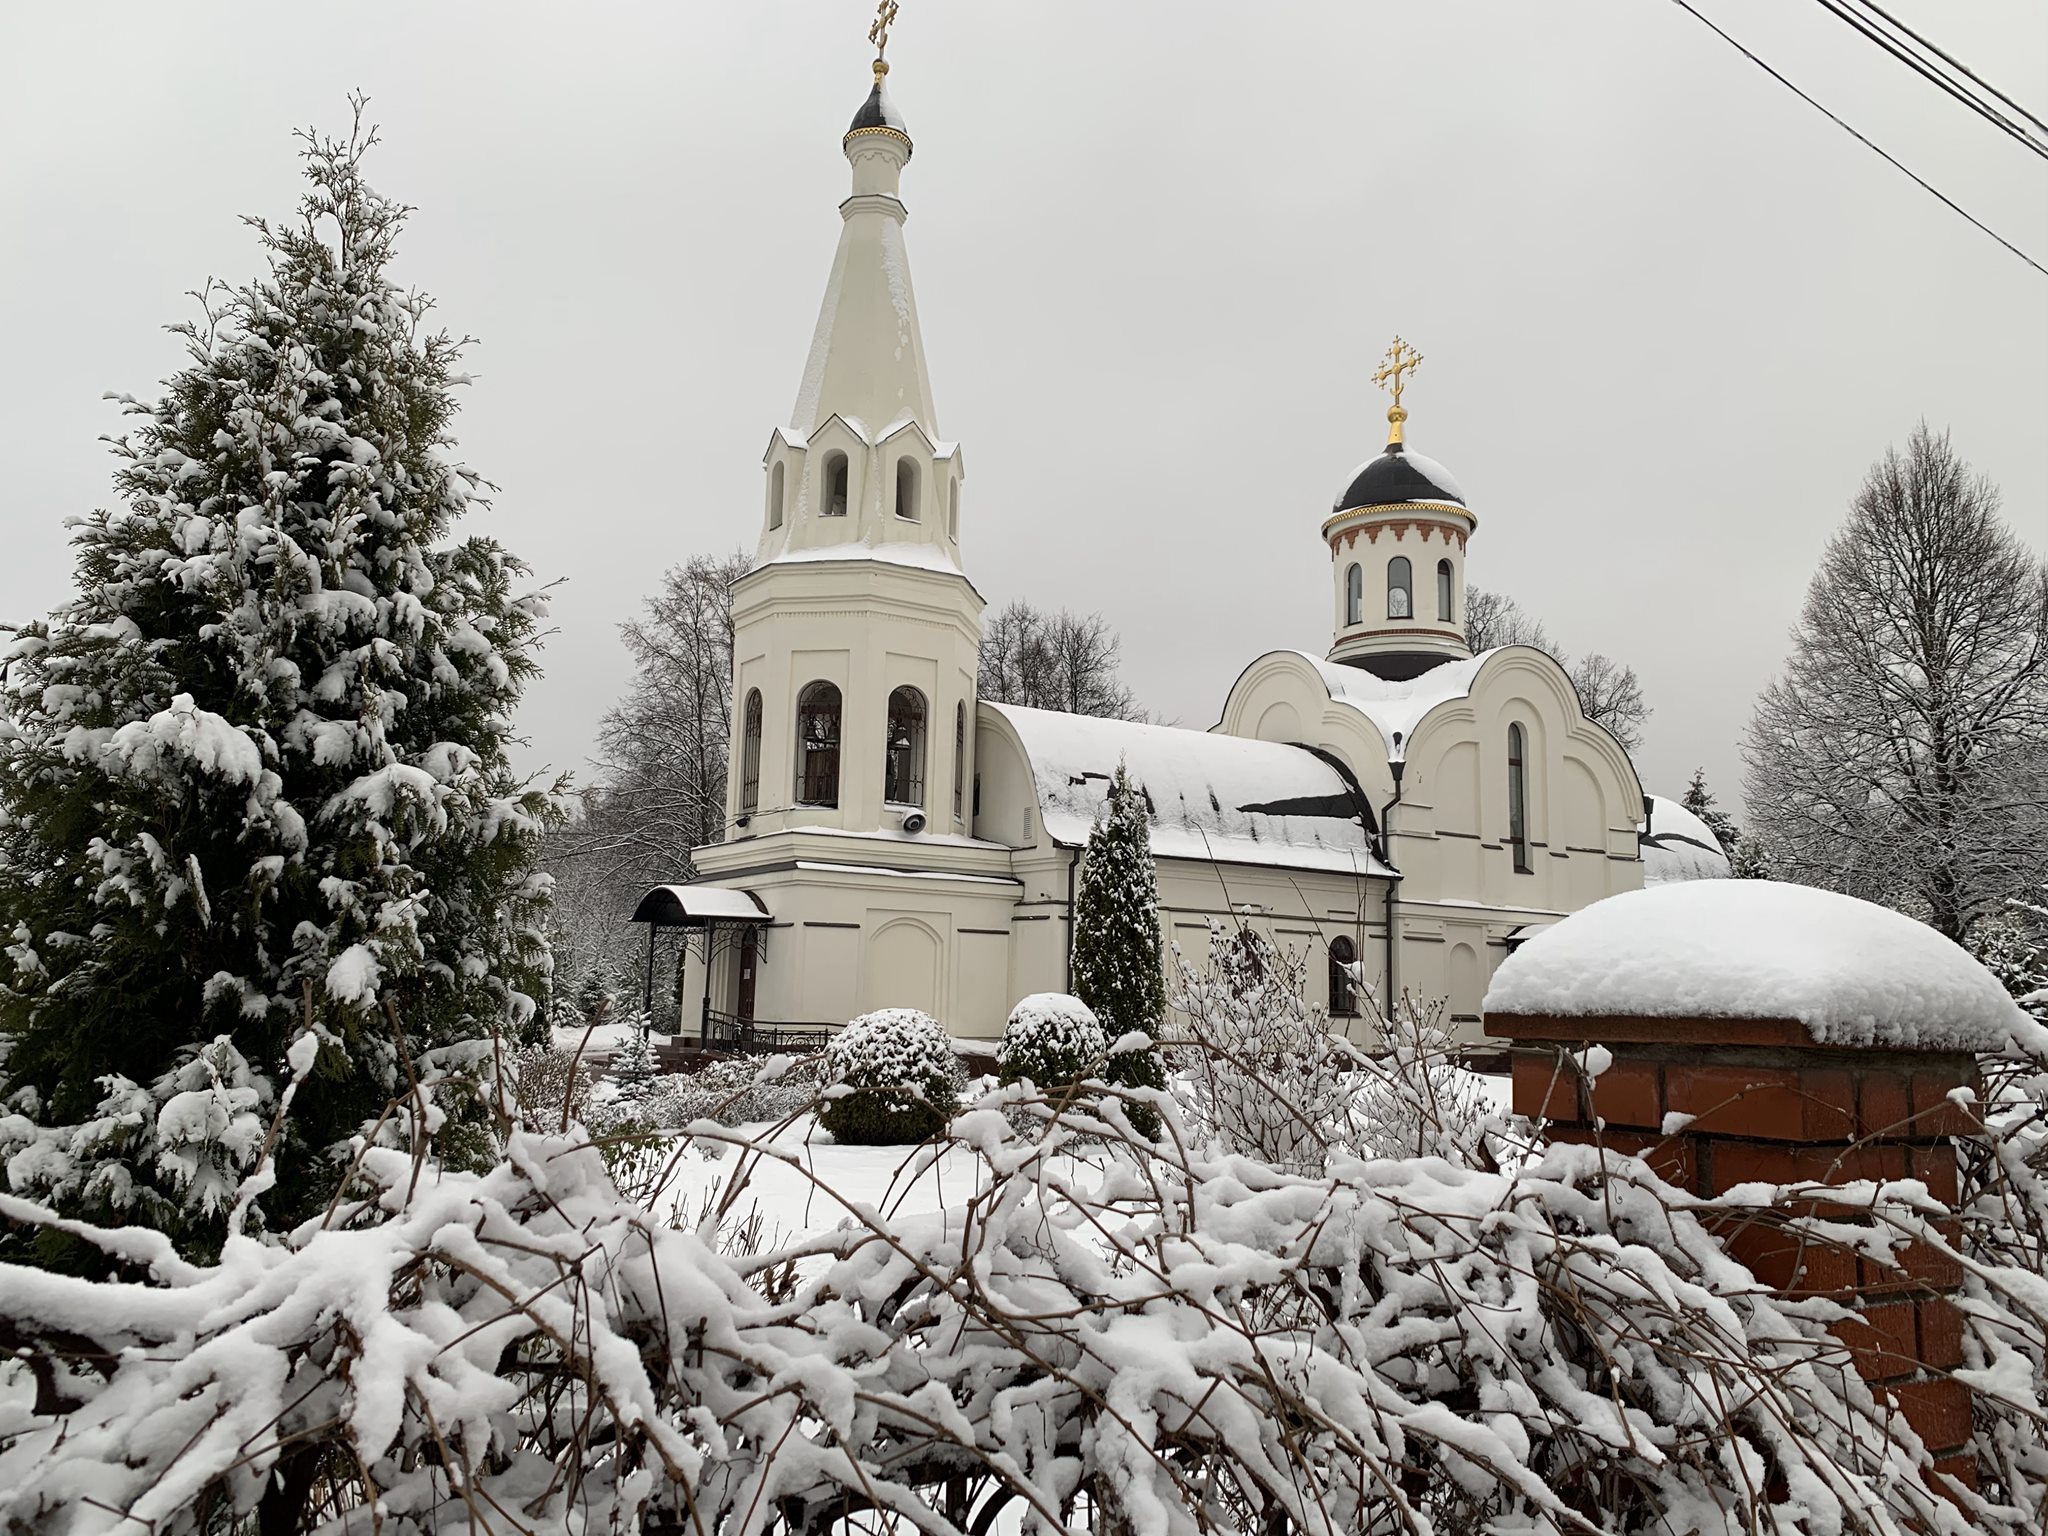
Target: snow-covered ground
(811, 1182)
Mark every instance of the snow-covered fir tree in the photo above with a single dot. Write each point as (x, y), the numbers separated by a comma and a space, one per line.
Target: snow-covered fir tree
(1119, 966)
(254, 774)
(1700, 801)
(633, 1067)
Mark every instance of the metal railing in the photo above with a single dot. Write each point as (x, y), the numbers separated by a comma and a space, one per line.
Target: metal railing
(753, 1037)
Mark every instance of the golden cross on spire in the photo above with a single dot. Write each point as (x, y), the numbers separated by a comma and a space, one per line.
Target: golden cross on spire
(1401, 359)
(878, 34)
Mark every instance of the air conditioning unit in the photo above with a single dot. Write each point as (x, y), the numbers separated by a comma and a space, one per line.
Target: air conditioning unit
(913, 821)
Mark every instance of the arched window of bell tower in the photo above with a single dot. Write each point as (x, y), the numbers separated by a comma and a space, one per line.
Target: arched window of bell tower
(903, 764)
(750, 750)
(1400, 588)
(817, 744)
(906, 490)
(1443, 591)
(775, 496)
(834, 498)
(1354, 595)
(953, 511)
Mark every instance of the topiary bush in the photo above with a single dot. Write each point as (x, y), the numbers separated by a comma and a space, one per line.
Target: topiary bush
(904, 1075)
(1053, 1040)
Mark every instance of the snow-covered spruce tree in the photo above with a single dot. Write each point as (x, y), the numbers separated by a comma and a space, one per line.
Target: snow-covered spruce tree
(1700, 801)
(1119, 969)
(254, 772)
(633, 1067)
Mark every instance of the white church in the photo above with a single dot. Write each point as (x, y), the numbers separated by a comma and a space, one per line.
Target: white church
(1397, 802)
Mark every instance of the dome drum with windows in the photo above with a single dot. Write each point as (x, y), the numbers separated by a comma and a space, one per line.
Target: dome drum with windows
(1397, 535)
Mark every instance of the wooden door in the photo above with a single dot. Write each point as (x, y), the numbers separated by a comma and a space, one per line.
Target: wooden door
(750, 951)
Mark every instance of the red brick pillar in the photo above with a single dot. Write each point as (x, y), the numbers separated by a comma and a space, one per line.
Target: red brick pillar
(1765, 1104)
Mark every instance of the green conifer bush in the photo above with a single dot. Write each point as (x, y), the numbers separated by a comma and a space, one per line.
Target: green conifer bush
(1119, 967)
(253, 773)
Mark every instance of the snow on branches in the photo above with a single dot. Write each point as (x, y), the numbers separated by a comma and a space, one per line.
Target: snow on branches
(258, 762)
(1094, 1334)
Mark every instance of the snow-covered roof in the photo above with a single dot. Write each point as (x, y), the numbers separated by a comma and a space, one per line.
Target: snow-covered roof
(1853, 973)
(923, 557)
(1397, 707)
(693, 906)
(1679, 846)
(1210, 797)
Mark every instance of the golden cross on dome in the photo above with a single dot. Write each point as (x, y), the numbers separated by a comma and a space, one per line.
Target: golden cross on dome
(1401, 359)
(878, 34)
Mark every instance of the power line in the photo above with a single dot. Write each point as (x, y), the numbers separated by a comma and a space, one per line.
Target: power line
(1693, 11)
(1841, 11)
(1953, 62)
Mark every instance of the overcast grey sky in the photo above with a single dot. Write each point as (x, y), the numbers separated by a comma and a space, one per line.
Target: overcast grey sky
(1670, 313)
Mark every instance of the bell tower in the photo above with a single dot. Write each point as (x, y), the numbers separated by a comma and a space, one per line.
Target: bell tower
(856, 634)
(1397, 537)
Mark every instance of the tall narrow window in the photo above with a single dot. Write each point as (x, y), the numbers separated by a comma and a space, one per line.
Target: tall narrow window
(903, 762)
(750, 751)
(1518, 801)
(1443, 591)
(835, 485)
(953, 510)
(959, 755)
(1400, 588)
(906, 489)
(817, 745)
(775, 495)
(1343, 986)
(1354, 595)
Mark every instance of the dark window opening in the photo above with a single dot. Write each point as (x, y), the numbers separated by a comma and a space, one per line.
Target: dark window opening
(750, 751)
(1443, 591)
(835, 485)
(1518, 801)
(817, 745)
(906, 490)
(903, 761)
(1343, 985)
(959, 755)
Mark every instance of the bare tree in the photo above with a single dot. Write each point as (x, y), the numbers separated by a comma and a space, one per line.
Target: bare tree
(1901, 756)
(660, 783)
(1063, 661)
(1610, 694)
(1495, 619)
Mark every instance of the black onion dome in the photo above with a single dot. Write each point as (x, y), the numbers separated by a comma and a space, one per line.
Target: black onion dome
(1396, 476)
(878, 112)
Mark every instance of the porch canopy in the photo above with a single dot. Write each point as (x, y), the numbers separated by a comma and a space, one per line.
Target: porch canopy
(705, 907)
(698, 906)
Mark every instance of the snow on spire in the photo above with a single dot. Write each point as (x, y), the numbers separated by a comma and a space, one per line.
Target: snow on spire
(867, 355)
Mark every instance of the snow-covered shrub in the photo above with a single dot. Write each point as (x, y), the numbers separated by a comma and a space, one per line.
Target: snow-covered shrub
(552, 1088)
(1561, 1350)
(1414, 1100)
(1052, 1039)
(903, 1074)
(743, 1091)
(1254, 1064)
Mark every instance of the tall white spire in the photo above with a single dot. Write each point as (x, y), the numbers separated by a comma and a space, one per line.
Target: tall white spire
(867, 355)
